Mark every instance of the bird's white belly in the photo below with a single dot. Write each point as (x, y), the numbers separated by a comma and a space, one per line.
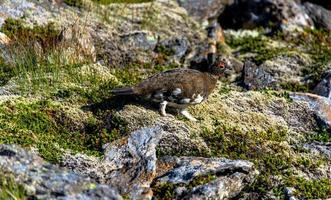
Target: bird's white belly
(197, 99)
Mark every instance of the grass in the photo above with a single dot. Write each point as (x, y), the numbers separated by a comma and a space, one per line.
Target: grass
(9, 190)
(44, 124)
(311, 189)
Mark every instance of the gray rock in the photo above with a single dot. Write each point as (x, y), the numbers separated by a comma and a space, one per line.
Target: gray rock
(289, 193)
(176, 47)
(46, 181)
(140, 40)
(320, 15)
(203, 10)
(320, 148)
(320, 105)
(272, 73)
(128, 165)
(323, 88)
(283, 14)
(255, 77)
(230, 176)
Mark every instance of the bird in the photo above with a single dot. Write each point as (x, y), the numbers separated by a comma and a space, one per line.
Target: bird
(178, 88)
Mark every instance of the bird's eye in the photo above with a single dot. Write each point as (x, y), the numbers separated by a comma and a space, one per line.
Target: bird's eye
(221, 65)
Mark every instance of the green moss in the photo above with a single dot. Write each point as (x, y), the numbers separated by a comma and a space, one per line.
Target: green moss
(201, 180)
(105, 2)
(320, 136)
(6, 72)
(16, 30)
(41, 124)
(315, 43)
(75, 3)
(310, 189)
(294, 87)
(164, 191)
(10, 190)
(257, 45)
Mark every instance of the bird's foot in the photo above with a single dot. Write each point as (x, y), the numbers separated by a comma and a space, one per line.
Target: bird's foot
(163, 106)
(186, 114)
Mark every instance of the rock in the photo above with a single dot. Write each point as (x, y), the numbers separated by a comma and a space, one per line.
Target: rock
(320, 105)
(46, 181)
(320, 15)
(255, 77)
(174, 47)
(128, 165)
(140, 40)
(248, 14)
(323, 88)
(230, 176)
(114, 38)
(289, 193)
(4, 39)
(273, 73)
(204, 10)
(177, 136)
(320, 148)
(131, 166)
(325, 3)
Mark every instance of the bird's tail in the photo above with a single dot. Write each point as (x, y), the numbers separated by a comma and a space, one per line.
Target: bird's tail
(123, 91)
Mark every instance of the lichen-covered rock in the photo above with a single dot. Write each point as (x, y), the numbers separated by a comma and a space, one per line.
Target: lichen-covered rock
(273, 73)
(46, 181)
(230, 176)
(323, 88)
(112, 37)
(320, 15)
(320, 148)
(204, 10)
(320, 105)
(177, 136)
(284, 14)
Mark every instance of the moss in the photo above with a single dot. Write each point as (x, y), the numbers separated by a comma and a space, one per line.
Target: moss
(310, 189)
(16, 30)
(105, 2)
(75, 3)
(201, 180)
(10, 190)
(322, 135)
(317, 44)
(257, 45)
(41, 124)
(294, 87)
(164, 191)
(6, 72)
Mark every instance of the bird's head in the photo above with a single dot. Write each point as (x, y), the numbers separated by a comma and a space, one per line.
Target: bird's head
(218, 66)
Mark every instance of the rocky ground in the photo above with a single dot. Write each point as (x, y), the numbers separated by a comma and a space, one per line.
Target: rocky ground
(264, 133)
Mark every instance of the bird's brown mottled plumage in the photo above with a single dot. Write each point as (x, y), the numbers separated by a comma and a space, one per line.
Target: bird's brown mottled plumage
(188, 80)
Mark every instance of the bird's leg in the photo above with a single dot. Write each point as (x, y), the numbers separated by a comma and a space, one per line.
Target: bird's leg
(186, 114)
(163, 106)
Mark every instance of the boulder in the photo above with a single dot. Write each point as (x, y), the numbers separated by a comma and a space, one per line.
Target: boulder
(320, 15)
(230, 176)
(43, 180)
(323, 88)
(320, 105)
(272, 73)
(202, 10)
(280, 14)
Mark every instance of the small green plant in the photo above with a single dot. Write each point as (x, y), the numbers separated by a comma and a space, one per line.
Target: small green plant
(43, 124)
(10, 190)
(310, 189)
(75, 3)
